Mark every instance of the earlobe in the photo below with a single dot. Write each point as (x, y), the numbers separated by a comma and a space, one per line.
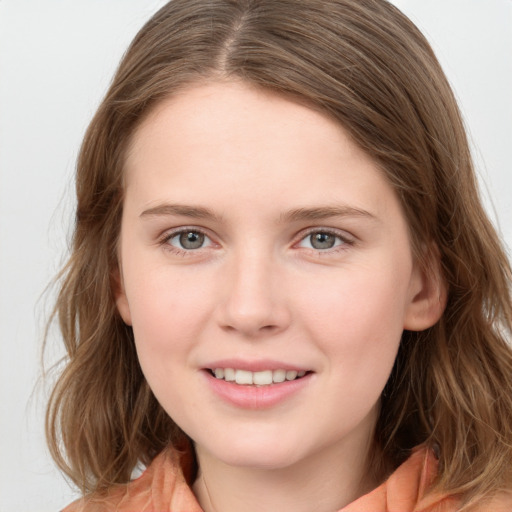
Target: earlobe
(428, 295)
(120, 297)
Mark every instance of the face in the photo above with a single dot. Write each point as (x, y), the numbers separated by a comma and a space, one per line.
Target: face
(267, 272)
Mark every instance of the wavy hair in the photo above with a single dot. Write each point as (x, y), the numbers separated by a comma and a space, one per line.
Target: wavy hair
(365, 64)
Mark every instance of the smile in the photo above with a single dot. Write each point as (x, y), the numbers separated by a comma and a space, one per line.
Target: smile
(261, 378)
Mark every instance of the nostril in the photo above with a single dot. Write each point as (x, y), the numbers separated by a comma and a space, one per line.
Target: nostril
(250, 328)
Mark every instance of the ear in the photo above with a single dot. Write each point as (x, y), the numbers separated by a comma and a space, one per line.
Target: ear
(428, 293)
(120, 296)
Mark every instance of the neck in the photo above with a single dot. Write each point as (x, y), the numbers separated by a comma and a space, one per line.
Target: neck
(325, 482)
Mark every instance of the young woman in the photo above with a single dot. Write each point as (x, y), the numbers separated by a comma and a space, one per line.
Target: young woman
(284, 293)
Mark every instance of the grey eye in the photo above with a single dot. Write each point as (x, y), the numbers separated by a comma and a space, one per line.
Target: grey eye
(188, 240)
(322, 240)
(191, 240)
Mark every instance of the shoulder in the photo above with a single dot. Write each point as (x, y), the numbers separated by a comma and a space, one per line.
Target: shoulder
(161, 487)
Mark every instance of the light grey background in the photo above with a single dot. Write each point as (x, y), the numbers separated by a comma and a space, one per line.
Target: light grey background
(56, 60)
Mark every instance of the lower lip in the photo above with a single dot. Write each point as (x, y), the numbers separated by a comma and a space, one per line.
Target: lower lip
(256, 397)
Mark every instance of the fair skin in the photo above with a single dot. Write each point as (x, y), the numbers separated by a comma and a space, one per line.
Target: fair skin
(258, 239)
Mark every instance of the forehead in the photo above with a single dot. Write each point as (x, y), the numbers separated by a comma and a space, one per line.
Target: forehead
(235, 113)
(220, 138)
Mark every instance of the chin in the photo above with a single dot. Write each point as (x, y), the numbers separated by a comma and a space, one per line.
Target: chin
(263, 461)
(256, 453)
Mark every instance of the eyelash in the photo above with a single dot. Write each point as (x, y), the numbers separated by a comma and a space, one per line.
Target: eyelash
(166, 239)
(345, 240)
(343, 237)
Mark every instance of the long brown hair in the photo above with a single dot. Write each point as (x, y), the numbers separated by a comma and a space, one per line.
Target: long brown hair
(365, 64)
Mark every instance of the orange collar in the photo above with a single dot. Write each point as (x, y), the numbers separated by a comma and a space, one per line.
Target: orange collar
(163, 488)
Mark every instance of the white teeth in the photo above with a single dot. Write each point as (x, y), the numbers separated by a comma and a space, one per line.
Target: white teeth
(279, 376)
(263, 378)
(229, 374)
(243, 377)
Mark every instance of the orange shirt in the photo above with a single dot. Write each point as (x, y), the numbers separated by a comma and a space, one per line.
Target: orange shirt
(163, 488)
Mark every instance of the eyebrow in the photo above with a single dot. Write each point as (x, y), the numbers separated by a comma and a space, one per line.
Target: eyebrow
(324, 212)
(182, 210)
(295, 215)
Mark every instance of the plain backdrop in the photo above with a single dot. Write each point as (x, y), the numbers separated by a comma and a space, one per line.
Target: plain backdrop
(56, 60)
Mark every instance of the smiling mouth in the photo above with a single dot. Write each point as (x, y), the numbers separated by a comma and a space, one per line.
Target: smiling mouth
(263, 378)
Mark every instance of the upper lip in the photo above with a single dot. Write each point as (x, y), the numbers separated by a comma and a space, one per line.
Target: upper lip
(254, 366)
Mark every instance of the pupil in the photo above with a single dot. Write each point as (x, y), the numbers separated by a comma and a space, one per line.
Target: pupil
(322, 241)
(191, 240)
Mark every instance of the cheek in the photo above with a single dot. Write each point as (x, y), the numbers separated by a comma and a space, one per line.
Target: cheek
(167, 313)
(166, 318)
(358, 327)
(358, 317)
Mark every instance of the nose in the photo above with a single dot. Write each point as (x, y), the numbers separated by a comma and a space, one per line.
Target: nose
(254, 300)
